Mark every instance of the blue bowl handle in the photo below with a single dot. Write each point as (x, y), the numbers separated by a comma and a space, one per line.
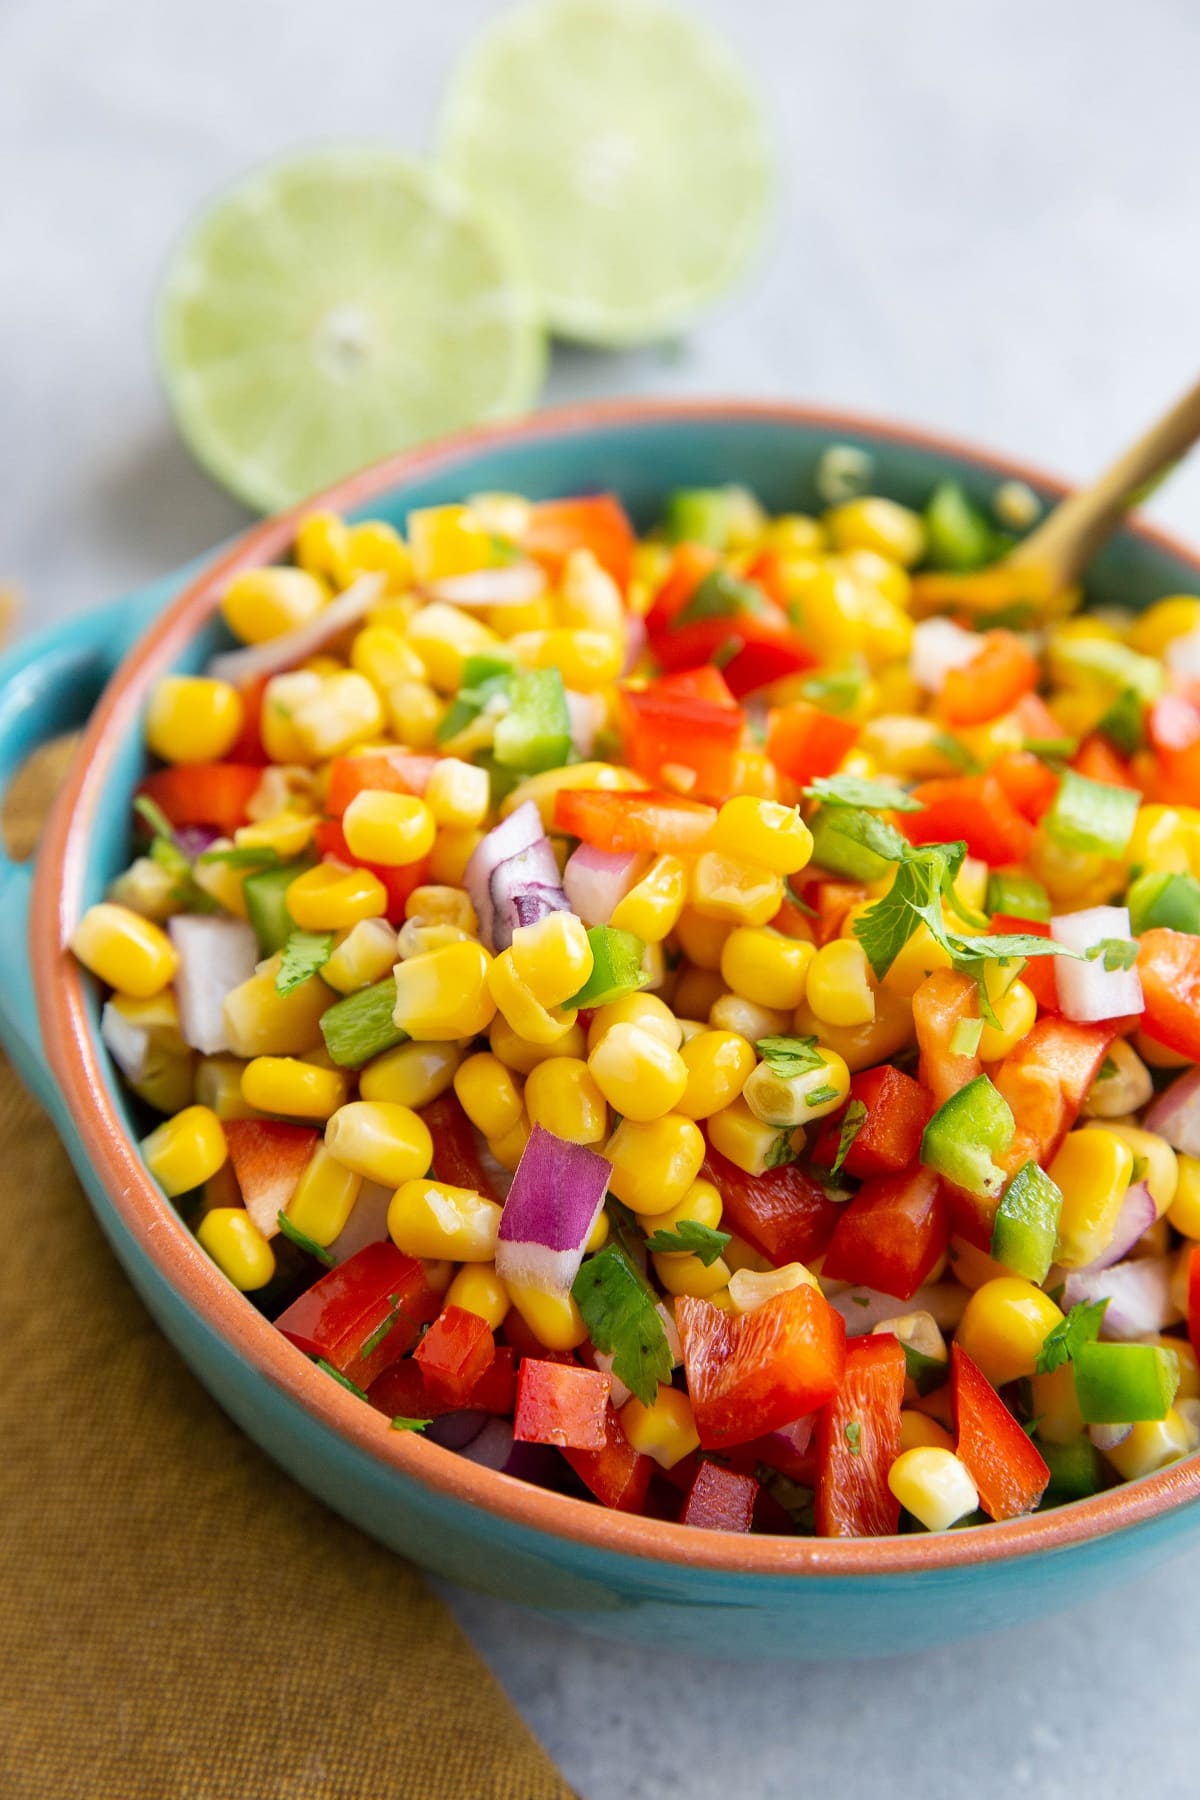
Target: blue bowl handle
(48, 685)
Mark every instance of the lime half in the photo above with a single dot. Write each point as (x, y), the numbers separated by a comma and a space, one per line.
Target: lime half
(625, 149)
(336, 308)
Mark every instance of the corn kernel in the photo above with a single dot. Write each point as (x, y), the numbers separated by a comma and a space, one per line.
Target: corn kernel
(786, 1100)
(701, 1204)
(414, 713)
(363, 954)
(237, 1246)
(918, 1431)
(193, 719)
(447, 540)
(588, 660)
(184, 1152)
(344, 711)
(1161, 1166)
(638, 1074)
(298, 1090)
(552, 958)
(261, 1022)
(520, 1005)
(742, 1017)
(666, 1431)
(287, 833)
(767, 968)
(687, 1274)
(873, 523)
(488, 1094)
(1124, 1085)
(1151, 1445)
(598, 1236)
(590, 598)
(761, 832)
(840, 990)
(718, 1065)
(735, 892)
(562, 1096)
(1016, 1009)
(375, 546)
(380, 1141)
(861, 1046)
(646, 1010)
(696, 992)
(324, 1197)
(385, 658)
(458, 793)
(478, 1289)
(1176, 616)
(128, 952)
(1093, 1169)
(750, 1143)
(331, 896)
(654, 1163)
(523, 1055)
(1004, 1326)
(443, 637)
(934, 1486)
(509, 1149)
(323, 547)
(390, 829)
(430, 1218)
(260, 604)
(741, 1255)
(146, 888)
(701, 939)
(441, 905)
(554, 1319)
(748, 1289)
(218, 1086)
(651, 908)
(1184, 1211)
(452, 850)
(444, 994)
(410, 1075)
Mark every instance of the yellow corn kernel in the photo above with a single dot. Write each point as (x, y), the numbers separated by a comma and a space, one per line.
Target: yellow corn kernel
(1056, 1408)
(687, 1274)
(168, 1084)
(344, 711)
(385, 657)
(861, 1046)
(840, 990)
(919, 957)
(287, 833)
(735, 892)
(543, 789)
(749, 1289)
(447, 540)
(646, 1010)
(1124, 1084)
(478, 1289)
(488, 1094)
(718, 1065)
(193, 719)
(589, 598)
(1159, 1165)
(285, 787)
(1184, 1210)
(521, 1007)
(561, 1095)
(147, 889)
(783, 1101)
(261, 1022)
(731, 1013)
(1016, 1009)
(972, 1266)
(762, 832)
(883, 579)
(538, 614)
(442, 905)
(452, 850)
(1157, 1055)
(417, 939)
(554, 1319)
(741, 1255)
(322, 663)
(363, 954)
(552, 958)
(184, 1152)
(588, 660)
(666, 1431)
(282, 694)
(410, 1075)
(701, 1204)
(390, 829)
(324, 1198)
(765, 967)
(1176, 616)
(702, 939)
(458, 793)
(918, 1432)
(652, 906)
(331, 896)
(748, 1141)
(222, 881)
(598, 1235)
(654, 1163)
(229, 1235)
(933, 1485)
(794, 534)
(443, 637)
(218, 1086)
(1151, 1445)
(414, 713)
(444, 994)
(1093, 1169)
(128, 952)
(1189, 1366)
(892, 531)
(523, 1055)
(380, 1141)
(509, 1149)
(430, 1218)
(375, 546)
(1003, 1327)
(695, 992)
(260, 604)
(298, 1090)
(323, 547)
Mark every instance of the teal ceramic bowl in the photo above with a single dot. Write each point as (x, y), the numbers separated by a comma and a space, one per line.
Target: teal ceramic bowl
(628, 1577)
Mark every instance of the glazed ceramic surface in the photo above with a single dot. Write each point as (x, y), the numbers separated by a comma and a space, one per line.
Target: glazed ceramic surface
(626, 1576)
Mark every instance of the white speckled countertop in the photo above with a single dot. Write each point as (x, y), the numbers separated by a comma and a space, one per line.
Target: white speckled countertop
(988, 223)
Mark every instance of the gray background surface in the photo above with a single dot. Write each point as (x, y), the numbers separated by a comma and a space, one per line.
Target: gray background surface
(987, 223)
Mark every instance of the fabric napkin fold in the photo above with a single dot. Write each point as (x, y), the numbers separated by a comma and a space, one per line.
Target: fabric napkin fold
(179, 1620)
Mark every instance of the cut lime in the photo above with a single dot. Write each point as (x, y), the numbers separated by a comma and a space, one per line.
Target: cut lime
(623, 146)
(336, 308)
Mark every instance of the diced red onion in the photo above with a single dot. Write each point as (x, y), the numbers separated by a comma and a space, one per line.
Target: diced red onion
(292, 647)
(596, 881)
(536, 903)
(619, 1393)
(586, 713)
(1138, 1295)
(1087, 991)
(455, 1430)
(672, 1330)
(533, 870)
(522, 828)
(492, 1446)
(1108, 1437)
(512, 584)
(636, 637)
(413, 767)
(1138, 1213)
(215, 956)
(939, 645)
(128, 1044)
(1175, 1115)
(552, 1205)
(367, 1223)
(194, 840)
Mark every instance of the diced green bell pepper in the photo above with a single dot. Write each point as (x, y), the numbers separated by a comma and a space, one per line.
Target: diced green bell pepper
(1164, 899)
(1026, 1224)
(535, 732)
(957, 534)
(722, 596)
(965, 1134)
(1075, 1470)
(1020, 896)
(713, 516)
(1124, 723)
(1092, 816)
(483, 678)
(616, 967)
(1104, 659)
(360, 1026)
(840, 854)
(265, 894)
(1118, 1384)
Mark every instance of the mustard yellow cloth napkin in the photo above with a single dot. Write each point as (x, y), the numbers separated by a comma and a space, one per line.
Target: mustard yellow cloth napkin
(178, 1620)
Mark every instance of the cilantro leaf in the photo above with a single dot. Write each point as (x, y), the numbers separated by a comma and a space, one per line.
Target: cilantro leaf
(914, 899)
(853, 1120)
(153, 815)
(691, 1235)
(1081, 1326)
(402, 1424)
(955, 752)
(854, 1437)
(342, 1380)
(1107, 1070)
(856, 790)
(864, 828)
(788, 1056)
(303, 1242)
(722, 596)
(165, 851)
(1116, 953)
(304, 953)
(619, 1311)
(836, 691)
(782, 1151)
(395, 1308)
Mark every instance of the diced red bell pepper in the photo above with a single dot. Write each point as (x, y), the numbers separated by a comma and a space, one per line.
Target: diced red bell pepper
(720, 1499)
(1045, 1080)
(753, 649)
(1169, 966)
(858, 1440)
(339, 1314)
(1035, 720)
(805, 742)
(398, 884)
(973, 808)
(791, 1451)
(1193, 1297)
(689, 565)
(768, 570)
(1005, 1464)
(1098, 761)
(1038, 973)
(456, 1157)
(889, 1138)
(248, 746)
(268, 1159)
(402, 1392)
(393, 771)
(623, 822)
(782, 1212)
(618, 1475)
(213, 794)
(749, 1373)
(1173, 724)
(662, 728)
(595, 522)
(831, 900)
(944, 1000)
(454, 1353)
(1000, 673)
(696, 684)
(891, 1234)
(561, 1404)
(1028, 783)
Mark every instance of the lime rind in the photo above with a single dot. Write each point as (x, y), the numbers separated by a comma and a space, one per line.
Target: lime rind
(336, 308)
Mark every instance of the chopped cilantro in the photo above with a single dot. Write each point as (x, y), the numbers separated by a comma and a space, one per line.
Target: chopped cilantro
(1107, 1070)
(395, 1308)
(619, 1310)
(782, 1152)
(837, 690)
(304, 953)
(854, 1437)
(788, 1056)
(165, 851)
(342, 1380)
(1115, 953)
(853, 1120)
(690, 1235)
(1081, 1326)
(856, 790)
(864, 828)
(402, 1424)
(820, 1095)
(303, 1242)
